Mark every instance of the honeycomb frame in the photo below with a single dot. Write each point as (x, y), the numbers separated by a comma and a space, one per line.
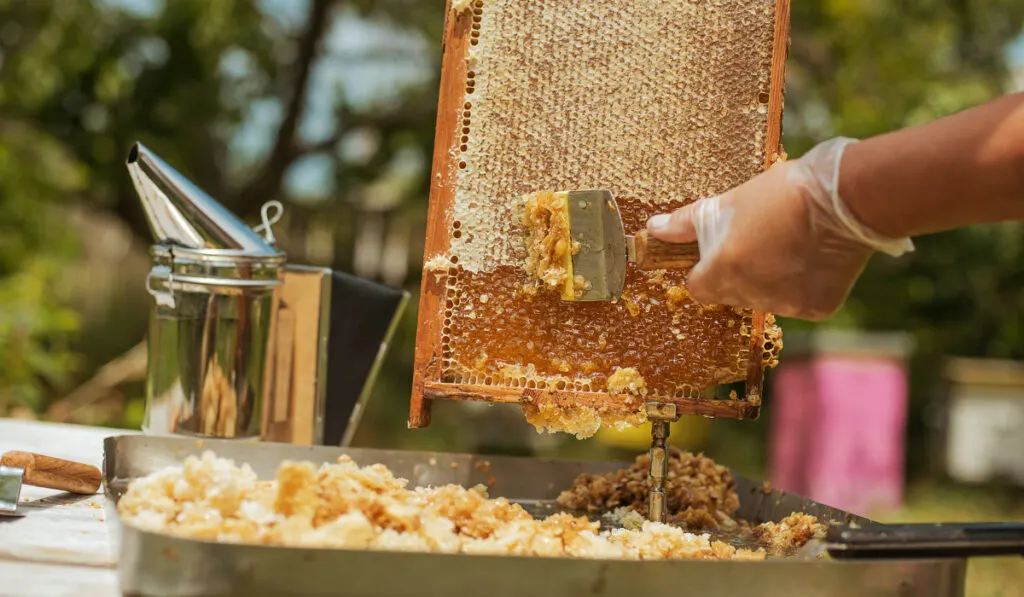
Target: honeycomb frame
(439, 373)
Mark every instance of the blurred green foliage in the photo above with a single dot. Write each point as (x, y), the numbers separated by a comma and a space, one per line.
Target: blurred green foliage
(80, 81)
(36, 321)
(35, 327)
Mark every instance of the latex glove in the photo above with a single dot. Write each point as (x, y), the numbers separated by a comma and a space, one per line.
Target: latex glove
(784, 242)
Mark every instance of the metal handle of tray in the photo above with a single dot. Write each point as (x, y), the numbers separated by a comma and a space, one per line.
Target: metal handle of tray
(943, 540)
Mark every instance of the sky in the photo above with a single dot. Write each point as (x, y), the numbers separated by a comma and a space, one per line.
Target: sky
(1015, 57)
(1015, 52)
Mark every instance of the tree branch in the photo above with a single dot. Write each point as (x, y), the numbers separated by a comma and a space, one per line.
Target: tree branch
(268, 181)
(130, 366)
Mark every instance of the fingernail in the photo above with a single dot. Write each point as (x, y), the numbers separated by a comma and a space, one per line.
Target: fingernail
(658, 223)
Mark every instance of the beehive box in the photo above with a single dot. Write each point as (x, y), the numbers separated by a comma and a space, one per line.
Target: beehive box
(663, 102)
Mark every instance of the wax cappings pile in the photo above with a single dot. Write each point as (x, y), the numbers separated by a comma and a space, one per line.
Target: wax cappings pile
(344, 505)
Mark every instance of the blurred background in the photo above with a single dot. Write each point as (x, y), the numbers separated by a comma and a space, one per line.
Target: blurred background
(329, 106)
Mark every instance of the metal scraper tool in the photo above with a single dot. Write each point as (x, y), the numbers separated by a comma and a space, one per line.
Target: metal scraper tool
(26, 468)
(605, 248)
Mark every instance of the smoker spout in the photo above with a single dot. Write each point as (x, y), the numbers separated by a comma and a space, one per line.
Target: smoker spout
(181, 213)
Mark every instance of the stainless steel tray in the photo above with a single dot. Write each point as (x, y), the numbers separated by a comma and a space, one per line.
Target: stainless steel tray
(160, 566)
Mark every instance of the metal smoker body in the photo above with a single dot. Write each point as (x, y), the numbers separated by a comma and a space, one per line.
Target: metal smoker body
(216, 367)
(209, 342)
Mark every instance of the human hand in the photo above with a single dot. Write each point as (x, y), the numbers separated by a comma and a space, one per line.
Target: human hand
(783, 242)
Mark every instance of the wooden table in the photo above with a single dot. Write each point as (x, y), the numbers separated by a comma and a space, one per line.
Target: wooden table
(63, 545)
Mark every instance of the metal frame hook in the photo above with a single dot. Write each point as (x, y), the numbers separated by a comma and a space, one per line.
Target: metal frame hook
(269, 220)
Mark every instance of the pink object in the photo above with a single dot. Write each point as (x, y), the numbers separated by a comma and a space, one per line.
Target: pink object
(837, 435)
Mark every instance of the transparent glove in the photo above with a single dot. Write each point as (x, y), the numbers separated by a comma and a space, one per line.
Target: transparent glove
(784, 242)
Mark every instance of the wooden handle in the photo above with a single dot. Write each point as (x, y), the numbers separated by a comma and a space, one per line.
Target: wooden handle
(652, 253)
(55, 473)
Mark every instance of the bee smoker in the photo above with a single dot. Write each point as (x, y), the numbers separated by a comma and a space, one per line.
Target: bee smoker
(241, 343)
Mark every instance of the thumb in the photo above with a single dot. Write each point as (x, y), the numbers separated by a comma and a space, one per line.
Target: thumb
(676, 227)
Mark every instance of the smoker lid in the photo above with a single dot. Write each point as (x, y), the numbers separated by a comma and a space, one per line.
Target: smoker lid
(182, 214)
(215, 266)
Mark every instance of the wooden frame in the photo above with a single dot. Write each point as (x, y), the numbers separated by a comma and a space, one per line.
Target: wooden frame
(427, 385)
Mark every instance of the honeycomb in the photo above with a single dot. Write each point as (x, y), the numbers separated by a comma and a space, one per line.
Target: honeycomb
(552, 416)
(627, 380)
(500, 330)
(661, 102)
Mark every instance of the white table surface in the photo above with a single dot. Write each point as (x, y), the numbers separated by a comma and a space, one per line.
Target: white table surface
(63, 545)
